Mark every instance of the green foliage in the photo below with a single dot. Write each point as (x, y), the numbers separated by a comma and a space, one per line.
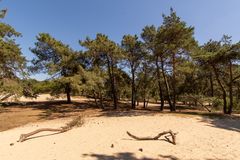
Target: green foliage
(32, 87)
(166, 64)
(217, 103)
(105, 55)
(60, 61)
(174, 37)
(12, 62)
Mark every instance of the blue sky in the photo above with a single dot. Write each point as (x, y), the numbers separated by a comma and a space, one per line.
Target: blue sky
(73, 20)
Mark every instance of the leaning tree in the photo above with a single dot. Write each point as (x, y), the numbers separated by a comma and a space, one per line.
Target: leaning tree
(61, 62)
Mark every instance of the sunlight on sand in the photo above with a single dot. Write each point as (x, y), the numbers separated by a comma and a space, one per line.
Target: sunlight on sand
(105, 138)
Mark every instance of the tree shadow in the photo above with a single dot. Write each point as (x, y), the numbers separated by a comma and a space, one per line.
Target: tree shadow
(232, 124)
(168, 157)
(126, 113)
(56, 109)
(217, 119)
(60, 109)
(118, 156)
(215, 159)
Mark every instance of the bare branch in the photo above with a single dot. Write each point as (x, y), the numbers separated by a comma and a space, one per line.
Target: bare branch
(75, 122)
(173, 135)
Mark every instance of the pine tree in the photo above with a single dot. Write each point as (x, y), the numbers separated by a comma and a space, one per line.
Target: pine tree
(133, 54)
(12, 62)
(174, 38)
(61, 62)
(106, 55)
(148, 35)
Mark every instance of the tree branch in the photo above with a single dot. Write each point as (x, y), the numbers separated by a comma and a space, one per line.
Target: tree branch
(234, 79)
(75, 122)
(173, 135)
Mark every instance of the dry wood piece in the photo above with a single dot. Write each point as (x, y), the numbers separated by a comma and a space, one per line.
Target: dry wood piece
(199, 103)
(4, 97)
(170, 133)
(75, 122)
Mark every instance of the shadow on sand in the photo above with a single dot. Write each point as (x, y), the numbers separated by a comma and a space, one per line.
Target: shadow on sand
(132, 156)
(118, 156)
(60, 109)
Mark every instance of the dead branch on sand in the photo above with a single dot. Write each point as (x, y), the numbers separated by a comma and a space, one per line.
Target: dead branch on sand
(171, 134)
(77, 122)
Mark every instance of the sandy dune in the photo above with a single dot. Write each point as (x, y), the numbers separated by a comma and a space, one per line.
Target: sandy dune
(42, 98)
(198, 138)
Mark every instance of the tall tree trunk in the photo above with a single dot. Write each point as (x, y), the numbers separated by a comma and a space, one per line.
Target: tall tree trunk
(147, 102)
(115, 97)
(101, 100)
(230, 89)
(133, 89)
(174, 82)
(166, 85)
(95, 98)
(224, 93)
(113, 83)
(144, 102)
(238, 92)
(211, 84)
(160, 86)
(144, 97)
(68, 91)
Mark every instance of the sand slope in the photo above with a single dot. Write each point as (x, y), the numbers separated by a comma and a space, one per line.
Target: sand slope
(197, 139)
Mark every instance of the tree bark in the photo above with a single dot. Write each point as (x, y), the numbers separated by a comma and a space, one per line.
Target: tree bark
(160, 86)
(230, 88)
(112, 81)
(166, 85)
(115, 97)
(211, 84)
(144, 103)
(101, 100)
(95, 98)
(68, 91)
(224, 93)
(133, 89)
(174, 82)
(147, 102)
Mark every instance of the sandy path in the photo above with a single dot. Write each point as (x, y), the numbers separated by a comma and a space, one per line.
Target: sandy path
(197, 139)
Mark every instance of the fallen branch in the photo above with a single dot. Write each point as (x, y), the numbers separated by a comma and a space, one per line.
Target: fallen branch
(171, 134)
(75, 122)
(4, 97)
(202, 105)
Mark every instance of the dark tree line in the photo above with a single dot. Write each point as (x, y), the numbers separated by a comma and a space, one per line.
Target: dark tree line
(164, 63)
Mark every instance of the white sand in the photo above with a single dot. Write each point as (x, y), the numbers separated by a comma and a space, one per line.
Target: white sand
(43, 97)
(197, 139)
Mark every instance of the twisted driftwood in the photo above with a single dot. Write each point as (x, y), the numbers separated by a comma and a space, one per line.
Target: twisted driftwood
(75, 122)
(171, 134)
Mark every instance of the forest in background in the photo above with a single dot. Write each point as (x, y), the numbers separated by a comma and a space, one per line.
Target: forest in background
(164, 64)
